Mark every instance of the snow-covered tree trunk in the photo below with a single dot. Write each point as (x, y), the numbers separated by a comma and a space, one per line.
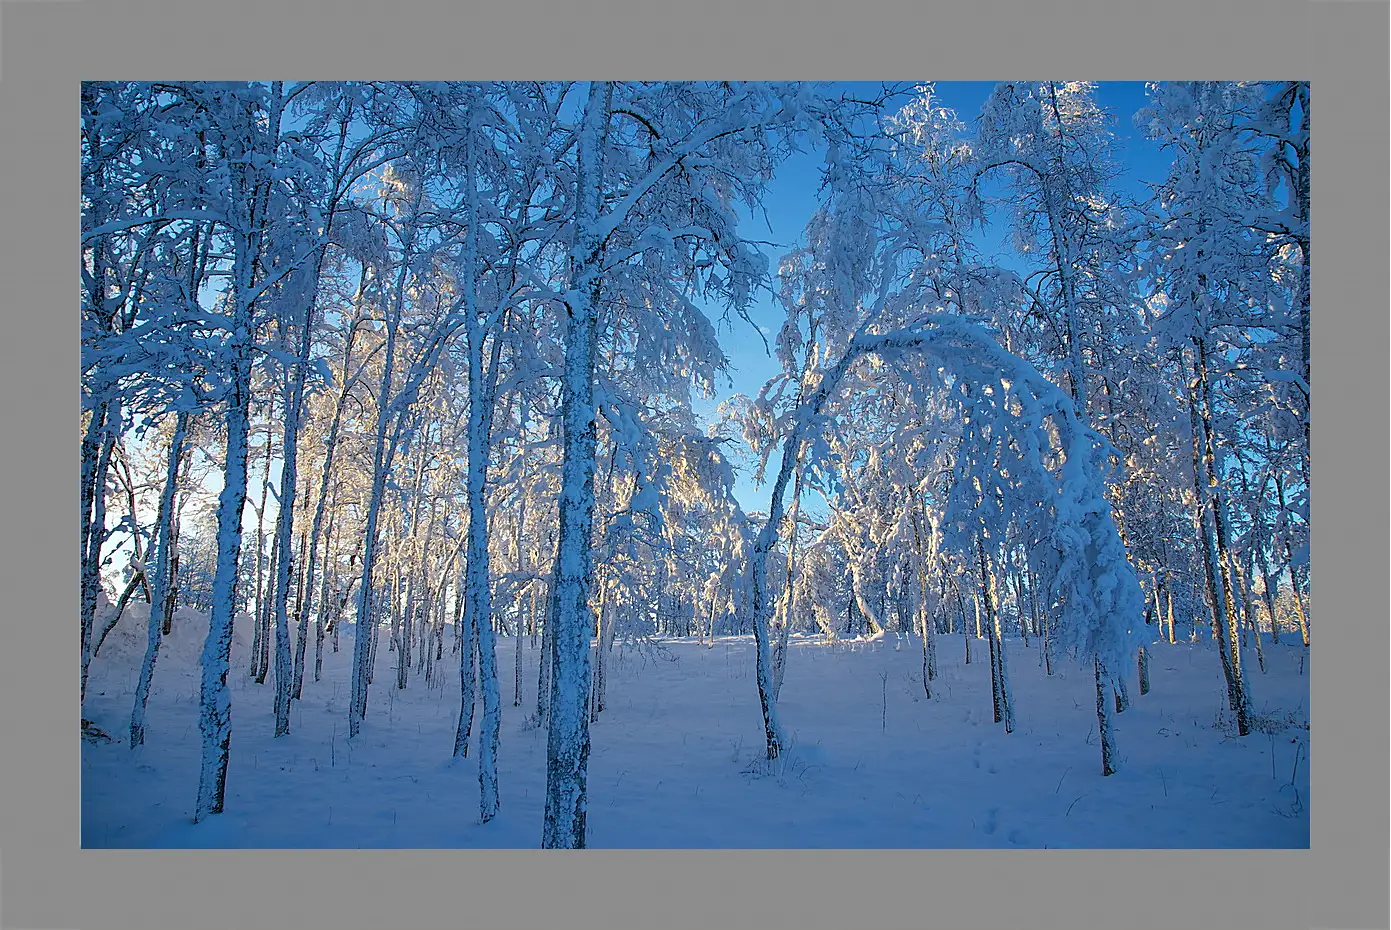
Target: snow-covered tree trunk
(164, 538)
(303, 595)
(215, 712)
(214, 707)
(257, 664)
(519, 615)
(543, 667)
(285, 516)
(985, 605)
(1219, 580)
(1017, 578)
(468, 681)
(1006, 692)
(519, 543)
(784, 626)
(264, 614)
(610, 633)
(378, 606)
(408, 575)
(1298, 598)
(1169, 611)
(857, 588)
(1044, 624)
(96, 458)
(1248, 609)
(138, 578)
(324, 585)
(603, 622)
(961, 614)
(1034, 617)
(920, 563)
(171, 583)
(999, 680)
(567, 747)
(478, 596)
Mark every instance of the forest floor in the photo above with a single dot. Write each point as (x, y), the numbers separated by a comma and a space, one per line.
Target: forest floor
(676, 760)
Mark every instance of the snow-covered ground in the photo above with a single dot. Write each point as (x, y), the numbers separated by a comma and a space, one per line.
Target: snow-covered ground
(677, 762)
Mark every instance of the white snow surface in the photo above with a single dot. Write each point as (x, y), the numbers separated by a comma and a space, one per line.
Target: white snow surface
(677, 754)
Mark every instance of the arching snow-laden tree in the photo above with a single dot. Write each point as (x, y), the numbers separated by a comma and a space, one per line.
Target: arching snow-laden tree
(873, 281)
(1056, 490)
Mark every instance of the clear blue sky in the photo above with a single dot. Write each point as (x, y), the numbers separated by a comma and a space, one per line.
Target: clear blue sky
(792, 197)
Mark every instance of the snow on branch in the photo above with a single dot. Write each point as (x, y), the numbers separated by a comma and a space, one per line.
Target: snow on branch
(1092, 583)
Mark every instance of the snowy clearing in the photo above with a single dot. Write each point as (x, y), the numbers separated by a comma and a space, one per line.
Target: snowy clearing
(677, 757)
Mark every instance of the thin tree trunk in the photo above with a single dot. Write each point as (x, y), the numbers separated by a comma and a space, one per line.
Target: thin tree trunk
(1247, 609)
(1169, 609)
(1006, 692)
(543, 672)
(323, 601)
(602, 621)
(284, 524)
(128, 481)
(1298, 598)
(264, 612)
(171, 585)
(163, 543)
(374, 632)
(95, 537)
(468, 684)
(1215, 594)
(872, 621)
(1103, 717)
(520, 544)
(1016, 577)
(1268, 585)
(929, 640)
(1237, 683)
(784, 625)
(302, 595)
(257, 664)
(961, 611)
(93, 480)
(135, 581)
(984, 598)
(999, 678)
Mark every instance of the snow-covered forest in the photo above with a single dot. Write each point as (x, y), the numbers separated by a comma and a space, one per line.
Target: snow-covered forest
(428, 498)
